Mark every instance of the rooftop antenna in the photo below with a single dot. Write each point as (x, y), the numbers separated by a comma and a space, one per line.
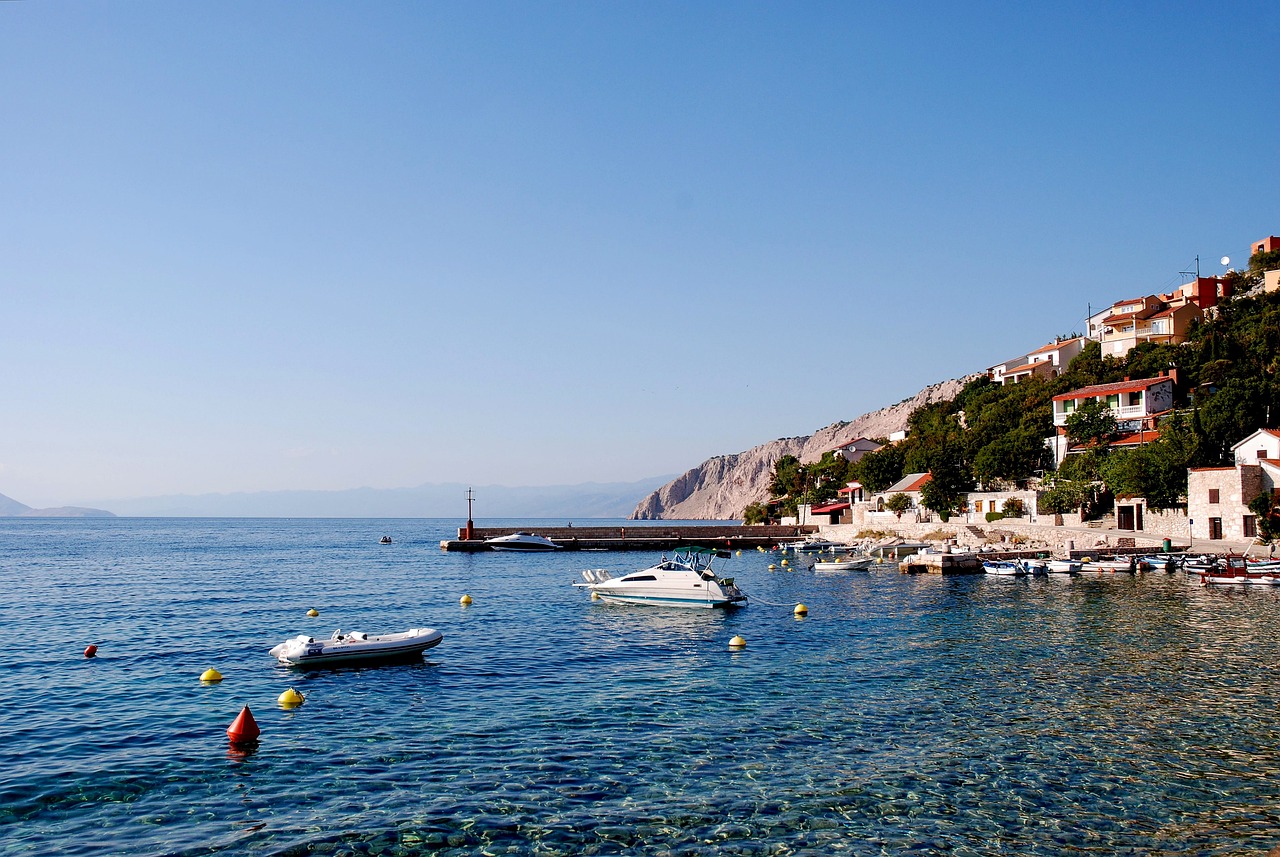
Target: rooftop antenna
(1197, 270)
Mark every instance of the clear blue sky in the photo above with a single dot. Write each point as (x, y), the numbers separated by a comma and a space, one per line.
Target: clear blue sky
(252, 246)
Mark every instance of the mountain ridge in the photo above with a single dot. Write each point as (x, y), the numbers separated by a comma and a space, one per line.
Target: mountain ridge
(722, 486)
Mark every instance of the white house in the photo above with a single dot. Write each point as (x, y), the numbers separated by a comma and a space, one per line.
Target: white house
(1047, 361)
(1131, 402)
(1261, 447)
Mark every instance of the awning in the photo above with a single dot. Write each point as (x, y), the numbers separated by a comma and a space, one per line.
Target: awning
(830, 507)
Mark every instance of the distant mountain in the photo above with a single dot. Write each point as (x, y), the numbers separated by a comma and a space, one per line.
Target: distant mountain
(721, 487)
(444, 500)
(10, 508)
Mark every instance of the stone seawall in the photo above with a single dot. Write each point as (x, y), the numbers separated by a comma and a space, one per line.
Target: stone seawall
(1010, 532)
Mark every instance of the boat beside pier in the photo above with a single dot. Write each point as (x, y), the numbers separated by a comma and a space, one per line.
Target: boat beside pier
(641, 537)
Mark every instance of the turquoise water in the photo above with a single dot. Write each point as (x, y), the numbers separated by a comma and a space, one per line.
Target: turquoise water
(906, 714)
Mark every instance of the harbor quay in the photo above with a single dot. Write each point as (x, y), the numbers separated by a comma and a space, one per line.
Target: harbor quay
(643, 537)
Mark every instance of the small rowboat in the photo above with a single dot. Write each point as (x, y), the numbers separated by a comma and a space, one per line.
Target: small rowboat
(845, 563)
(1004, 567)
(355, 647)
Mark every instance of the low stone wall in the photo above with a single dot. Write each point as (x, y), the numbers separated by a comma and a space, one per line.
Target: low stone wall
(1007, 531)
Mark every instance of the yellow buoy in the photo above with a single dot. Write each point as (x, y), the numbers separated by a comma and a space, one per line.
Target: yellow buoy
(211, 675)
(739, 553)
(290, 699)
(737, 642)
(595, 596)
(801, 610)
(313, 612)
(464, 600)
(772, 567)
(786, 562)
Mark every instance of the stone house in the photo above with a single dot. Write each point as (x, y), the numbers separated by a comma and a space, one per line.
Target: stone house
(1218, 501)
(1218, 497)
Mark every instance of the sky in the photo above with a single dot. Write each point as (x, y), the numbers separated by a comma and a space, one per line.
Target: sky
(253, 246)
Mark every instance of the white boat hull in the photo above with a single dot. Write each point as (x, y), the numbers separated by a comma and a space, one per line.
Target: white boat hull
(685, 581)
(860, 564)
(356, 647)
(524, 542)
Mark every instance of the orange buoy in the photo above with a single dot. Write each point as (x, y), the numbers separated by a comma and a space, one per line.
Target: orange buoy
(244, 729)
(91, 651)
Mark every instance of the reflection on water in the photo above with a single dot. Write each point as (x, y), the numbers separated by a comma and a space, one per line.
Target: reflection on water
(966, 715)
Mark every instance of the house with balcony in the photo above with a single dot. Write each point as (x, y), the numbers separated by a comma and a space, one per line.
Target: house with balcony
(1047, 361)
(1136, 405)
(1123, 325)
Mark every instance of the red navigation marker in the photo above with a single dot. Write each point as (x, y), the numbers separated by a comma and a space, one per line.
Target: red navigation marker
(91, 651)
(243, 730)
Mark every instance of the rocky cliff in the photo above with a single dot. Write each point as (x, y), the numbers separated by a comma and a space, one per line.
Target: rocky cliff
(721, 487)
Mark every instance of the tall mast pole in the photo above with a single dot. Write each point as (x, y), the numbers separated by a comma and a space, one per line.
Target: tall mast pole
(471, 527)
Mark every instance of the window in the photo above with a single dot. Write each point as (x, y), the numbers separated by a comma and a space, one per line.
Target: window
(1262, 455)
(1250, 527)
(977, 505)
(1213, 495)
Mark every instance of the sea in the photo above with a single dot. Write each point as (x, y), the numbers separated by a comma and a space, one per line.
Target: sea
(904, 714)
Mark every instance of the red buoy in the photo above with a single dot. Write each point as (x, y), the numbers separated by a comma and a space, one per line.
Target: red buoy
(91, 651)
(243, 730)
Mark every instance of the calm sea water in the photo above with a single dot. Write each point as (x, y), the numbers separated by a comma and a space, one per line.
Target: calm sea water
(906, 714)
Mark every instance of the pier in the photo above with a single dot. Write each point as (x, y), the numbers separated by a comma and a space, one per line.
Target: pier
(640, 537)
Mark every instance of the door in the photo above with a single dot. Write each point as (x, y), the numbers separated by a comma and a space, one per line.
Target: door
(1124, 517)
(1215, 528)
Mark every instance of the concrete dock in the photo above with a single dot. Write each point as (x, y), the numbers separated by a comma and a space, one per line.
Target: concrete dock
(640, 537)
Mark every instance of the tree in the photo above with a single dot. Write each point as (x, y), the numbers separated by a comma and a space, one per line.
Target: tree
(788, 477)
(1065, 496)
(950, 479)
(898, 503)
(1264, 507)
(1013, 458)
(880, 469)
(755, 513)
(1092, 424)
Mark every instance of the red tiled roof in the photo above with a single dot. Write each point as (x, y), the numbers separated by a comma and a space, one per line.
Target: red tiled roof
(1052, 346)
(1108, 389)
(830, 507)
(1137, 438)
(854, 487)
(1206, 469)
(1125, 316)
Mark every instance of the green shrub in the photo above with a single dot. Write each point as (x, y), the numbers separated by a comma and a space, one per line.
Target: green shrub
(994, 516)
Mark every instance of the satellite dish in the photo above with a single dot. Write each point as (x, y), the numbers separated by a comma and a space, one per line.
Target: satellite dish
(1226, 260)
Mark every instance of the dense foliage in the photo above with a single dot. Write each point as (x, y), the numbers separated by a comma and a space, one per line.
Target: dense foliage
(1228, 385)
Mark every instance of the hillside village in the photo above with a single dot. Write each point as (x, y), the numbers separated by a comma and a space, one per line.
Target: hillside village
(1183, 447)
